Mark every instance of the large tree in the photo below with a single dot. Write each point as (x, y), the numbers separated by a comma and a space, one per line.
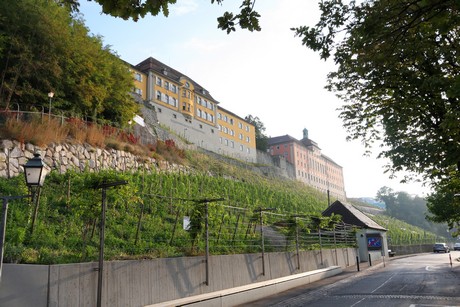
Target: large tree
(398, 75)
(43, 48)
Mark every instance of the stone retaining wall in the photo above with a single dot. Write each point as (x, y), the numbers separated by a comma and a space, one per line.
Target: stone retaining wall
(64, 157)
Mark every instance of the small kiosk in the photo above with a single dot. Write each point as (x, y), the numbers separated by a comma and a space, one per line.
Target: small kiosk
(370, 236)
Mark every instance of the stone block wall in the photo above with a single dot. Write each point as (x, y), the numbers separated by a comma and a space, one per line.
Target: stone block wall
(64, 157)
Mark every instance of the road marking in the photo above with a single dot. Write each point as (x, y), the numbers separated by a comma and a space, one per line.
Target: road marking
(384, 282)
(357, 302)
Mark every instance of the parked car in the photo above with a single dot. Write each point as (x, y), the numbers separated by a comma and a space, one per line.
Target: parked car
(457, 247)
(441, 247)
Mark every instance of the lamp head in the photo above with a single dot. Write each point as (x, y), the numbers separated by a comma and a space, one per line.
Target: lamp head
(35, 171)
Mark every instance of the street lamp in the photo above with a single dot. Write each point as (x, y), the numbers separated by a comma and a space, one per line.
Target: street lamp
(50, 95)
(35, 173)
(35, 176)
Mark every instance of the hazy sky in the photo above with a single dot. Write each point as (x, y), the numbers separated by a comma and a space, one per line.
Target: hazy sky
(268, 74)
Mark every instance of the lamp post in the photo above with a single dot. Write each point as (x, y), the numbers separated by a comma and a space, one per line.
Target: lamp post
(50, 96)
(34, 176)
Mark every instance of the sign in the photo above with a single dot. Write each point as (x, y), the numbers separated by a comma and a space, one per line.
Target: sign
(374, 241)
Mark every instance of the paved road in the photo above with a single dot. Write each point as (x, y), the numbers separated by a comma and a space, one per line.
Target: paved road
(418, 281)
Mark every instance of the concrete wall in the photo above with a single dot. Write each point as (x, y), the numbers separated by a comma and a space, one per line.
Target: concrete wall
(411, 249)
(144, 282)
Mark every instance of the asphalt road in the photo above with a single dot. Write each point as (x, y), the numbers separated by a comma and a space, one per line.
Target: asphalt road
(425, 280)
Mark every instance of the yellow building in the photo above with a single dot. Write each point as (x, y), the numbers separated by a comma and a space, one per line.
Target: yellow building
(189, 109)
(140, 82)
(236, 135)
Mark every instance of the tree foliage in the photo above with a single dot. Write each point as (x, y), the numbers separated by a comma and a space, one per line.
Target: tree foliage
(43, 49)
(261, 138)
(411, 209)
(246, 18)
(398, 75)
(444, 204)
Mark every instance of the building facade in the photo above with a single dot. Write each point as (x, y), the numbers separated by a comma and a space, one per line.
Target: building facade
(189, 109)
(236, 136)
(311, 166)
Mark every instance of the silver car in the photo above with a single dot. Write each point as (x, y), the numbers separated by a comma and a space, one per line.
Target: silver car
(441, 247)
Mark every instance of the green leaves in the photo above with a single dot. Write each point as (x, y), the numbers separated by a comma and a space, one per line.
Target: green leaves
(44, 49)
(397, 73)
(128, 9)
(246, 19)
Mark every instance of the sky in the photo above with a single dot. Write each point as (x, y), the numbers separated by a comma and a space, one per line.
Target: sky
(268, 74)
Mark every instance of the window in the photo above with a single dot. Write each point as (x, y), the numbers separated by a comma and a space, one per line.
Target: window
(247, 128)
(158, 95)
(231, 121)
(226, 142)
(174, 88)
(198, 112)
(138, 91)
(174, 102)
(232, 144)
(138, 77)
(212, 130)
(241, 147)
(174, 116)
(240, 125)
(248, 139)
(166, 84)
(219, 116)
(240, 136)
(201, 126)
(248, 150)
(159, 110)
(158, 81)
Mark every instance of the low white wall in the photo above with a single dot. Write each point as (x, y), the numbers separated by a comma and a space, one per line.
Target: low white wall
(145, 282)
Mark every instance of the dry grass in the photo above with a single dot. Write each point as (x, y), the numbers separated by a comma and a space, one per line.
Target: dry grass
(42, 132)
(38, 132)
(95, 136)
